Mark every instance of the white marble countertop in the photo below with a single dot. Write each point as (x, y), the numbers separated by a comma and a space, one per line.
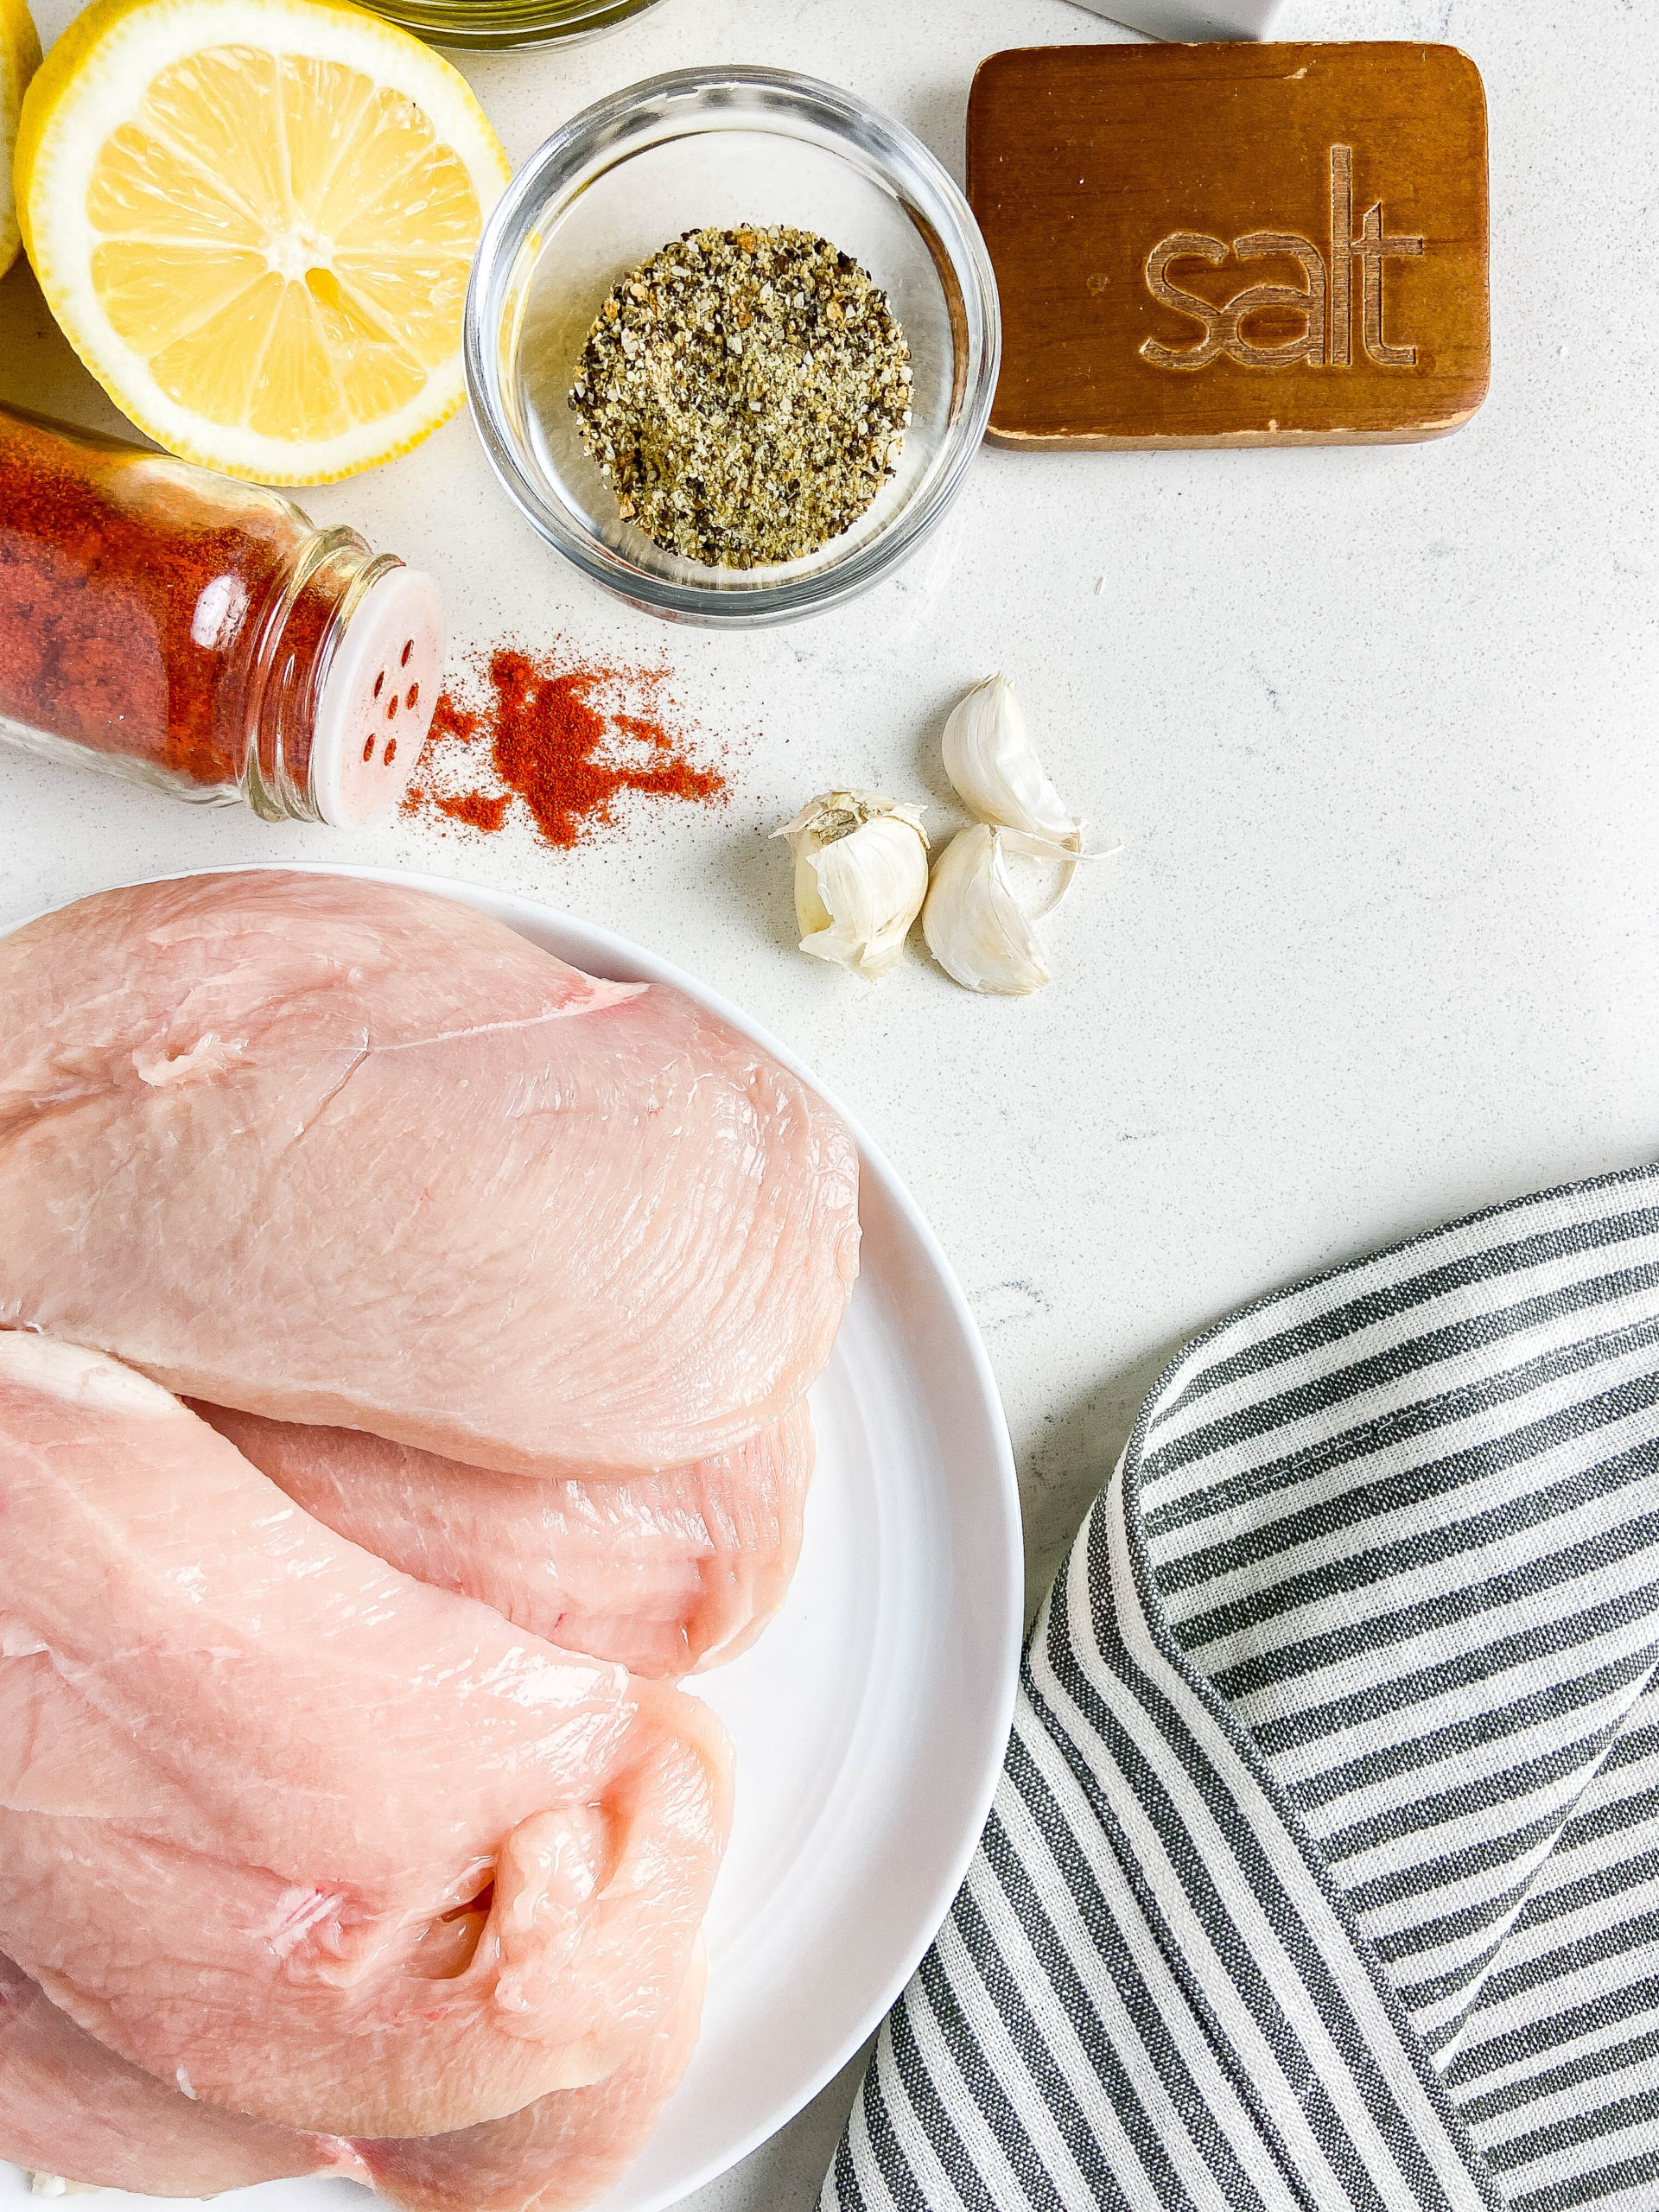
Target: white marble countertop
(1374, 729)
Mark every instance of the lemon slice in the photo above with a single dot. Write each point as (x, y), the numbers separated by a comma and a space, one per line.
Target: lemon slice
(254, 219)
(20, 57)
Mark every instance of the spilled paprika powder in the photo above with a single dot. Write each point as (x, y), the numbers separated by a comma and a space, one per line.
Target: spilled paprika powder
(567, 742)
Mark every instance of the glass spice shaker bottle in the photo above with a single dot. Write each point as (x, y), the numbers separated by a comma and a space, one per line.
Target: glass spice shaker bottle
(196, 633)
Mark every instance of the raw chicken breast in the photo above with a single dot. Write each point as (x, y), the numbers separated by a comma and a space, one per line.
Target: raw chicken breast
(69, 2106)
(664, 1573)
(351, 1153)
(556, 2155)
(304, 1836)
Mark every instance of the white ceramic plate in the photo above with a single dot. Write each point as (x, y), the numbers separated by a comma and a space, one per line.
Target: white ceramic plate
(870, 1720)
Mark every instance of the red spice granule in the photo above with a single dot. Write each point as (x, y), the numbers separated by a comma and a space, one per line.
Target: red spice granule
(472, 807)
(568, 741)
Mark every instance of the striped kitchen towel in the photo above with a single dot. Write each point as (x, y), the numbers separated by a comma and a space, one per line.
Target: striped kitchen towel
(1324, 1871)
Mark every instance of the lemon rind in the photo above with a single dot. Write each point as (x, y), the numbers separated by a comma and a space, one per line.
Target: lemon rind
(20, 57)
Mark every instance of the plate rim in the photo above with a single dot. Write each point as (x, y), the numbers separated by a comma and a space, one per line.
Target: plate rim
(1009, 1629)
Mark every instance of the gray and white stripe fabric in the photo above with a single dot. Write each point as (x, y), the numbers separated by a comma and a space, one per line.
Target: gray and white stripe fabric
(1324, 1871)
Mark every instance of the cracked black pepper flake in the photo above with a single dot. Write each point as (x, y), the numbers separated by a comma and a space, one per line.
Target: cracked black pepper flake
(745, 394)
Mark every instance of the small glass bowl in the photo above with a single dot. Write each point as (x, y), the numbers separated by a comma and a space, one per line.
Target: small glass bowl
(727, 146)
(490, 25)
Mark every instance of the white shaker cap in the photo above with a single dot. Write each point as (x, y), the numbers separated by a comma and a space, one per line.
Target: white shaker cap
(377, 699)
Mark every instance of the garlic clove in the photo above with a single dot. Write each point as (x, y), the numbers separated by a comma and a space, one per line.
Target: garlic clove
(860, 876)
(872, 885)
(990, 759)
(975, 926)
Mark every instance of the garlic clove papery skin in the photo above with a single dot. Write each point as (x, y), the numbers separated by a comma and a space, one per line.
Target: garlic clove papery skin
(991, 760)
(974, 924)
(860, 877)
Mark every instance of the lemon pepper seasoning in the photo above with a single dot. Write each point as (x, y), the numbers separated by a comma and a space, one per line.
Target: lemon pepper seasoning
(745, 394)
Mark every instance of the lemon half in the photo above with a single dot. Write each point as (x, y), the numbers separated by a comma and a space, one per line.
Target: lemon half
(20, 57)
(254, 221)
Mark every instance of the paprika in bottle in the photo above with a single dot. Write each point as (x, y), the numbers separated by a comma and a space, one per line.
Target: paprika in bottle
(199, 635)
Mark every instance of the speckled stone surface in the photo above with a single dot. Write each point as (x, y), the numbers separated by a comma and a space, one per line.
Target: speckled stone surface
(1374, 729)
